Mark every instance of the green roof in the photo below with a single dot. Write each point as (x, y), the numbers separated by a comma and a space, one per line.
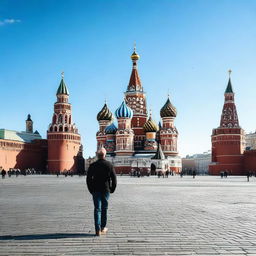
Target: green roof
(229, 88)
(18, 136)
(62, 88)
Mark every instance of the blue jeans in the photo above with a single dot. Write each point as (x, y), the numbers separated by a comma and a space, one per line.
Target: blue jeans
(100, 200)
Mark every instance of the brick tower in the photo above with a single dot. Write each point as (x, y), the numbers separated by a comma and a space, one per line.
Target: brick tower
(62, 135)
(136, 100)
(168, 132)
(228, 140)
(124, 133)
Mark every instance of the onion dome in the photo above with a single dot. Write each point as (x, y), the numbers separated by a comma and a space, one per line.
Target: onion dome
(29, 118)
(105, 114)
(111, 129)
(124, 111)
(168, 110)
(150, 126)
(135, 55)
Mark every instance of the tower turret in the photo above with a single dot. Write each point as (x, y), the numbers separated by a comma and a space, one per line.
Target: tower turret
(29, 124)
(124, 134)
(150, 127)
(62, 134)
(135, 98)
(228, 140)
(168, 132)
(104, 117)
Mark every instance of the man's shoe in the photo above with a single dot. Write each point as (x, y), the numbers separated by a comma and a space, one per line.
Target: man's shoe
(104, 231)
(98, 233)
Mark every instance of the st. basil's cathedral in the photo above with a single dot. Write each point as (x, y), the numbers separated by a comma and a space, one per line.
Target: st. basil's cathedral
(137, 142)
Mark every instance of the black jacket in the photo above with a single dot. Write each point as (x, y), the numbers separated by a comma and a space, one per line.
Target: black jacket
(101, 177)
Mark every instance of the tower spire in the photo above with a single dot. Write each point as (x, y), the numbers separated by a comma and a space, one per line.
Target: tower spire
(134, 83)
(229, 88)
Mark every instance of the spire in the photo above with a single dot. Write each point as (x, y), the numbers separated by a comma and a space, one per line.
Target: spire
(134, 83)
(62, 87)
(159, 153)
(229, 88)
(29, 118)
(229, 117)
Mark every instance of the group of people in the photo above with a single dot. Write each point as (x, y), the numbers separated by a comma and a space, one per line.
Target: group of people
(17, 172)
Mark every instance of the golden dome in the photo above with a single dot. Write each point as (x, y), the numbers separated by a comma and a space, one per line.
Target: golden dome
(150, 126)
(135, 56)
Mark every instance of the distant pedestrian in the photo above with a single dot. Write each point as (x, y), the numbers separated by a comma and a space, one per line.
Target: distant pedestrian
(194, 174)
(3, 173)
(226, 174)
(181, 174)
(167, 173)
(248, 176)
(101, 181)
(221, 174)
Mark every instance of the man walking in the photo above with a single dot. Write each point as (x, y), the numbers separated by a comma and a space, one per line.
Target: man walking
(101, 181)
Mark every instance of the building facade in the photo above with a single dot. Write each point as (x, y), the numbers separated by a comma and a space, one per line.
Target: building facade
(197, 162)
(137, 142)
(60, 152)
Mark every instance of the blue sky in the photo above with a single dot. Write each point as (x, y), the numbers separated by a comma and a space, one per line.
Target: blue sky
(186, 48)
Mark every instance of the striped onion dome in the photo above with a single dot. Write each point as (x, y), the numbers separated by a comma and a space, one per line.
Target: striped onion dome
(150, 126)
(168, 110)
(124, 111)
(111, 129)
(105, 114)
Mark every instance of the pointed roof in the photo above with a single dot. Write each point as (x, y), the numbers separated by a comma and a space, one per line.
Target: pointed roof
(159, 153)
(229, 88)
(62, 88)
(134, 83)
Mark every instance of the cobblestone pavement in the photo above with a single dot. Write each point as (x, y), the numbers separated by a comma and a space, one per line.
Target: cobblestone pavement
(46, 215)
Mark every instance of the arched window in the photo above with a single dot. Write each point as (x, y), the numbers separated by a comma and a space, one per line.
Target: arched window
(51, 129)
(61, 129)
(60, 119)
(69, 119)
(55, 128)
(66, 129)
(66, 119)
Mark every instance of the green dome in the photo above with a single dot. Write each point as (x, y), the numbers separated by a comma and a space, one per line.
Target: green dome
(150, 126)
(105, 114)
(168, 110)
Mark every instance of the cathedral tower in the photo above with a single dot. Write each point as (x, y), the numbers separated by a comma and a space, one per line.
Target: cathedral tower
(150, 128)
(104, 117)
(124, 133)
(63, 138)
(228, 140)
(136, 100)
(168, 132)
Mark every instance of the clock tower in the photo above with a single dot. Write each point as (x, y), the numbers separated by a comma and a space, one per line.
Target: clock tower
(135, 98)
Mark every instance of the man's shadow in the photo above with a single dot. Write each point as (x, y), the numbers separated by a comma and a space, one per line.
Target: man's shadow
(46, 236)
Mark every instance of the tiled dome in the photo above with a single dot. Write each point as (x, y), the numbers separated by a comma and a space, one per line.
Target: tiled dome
(150, 126)
(105, 114)
(168, 110)
(111, 129)
(124, 111)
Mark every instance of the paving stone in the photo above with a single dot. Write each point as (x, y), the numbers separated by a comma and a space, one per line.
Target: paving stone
(46, 215)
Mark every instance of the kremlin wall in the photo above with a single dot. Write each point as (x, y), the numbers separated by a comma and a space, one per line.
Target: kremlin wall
(134, 142)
